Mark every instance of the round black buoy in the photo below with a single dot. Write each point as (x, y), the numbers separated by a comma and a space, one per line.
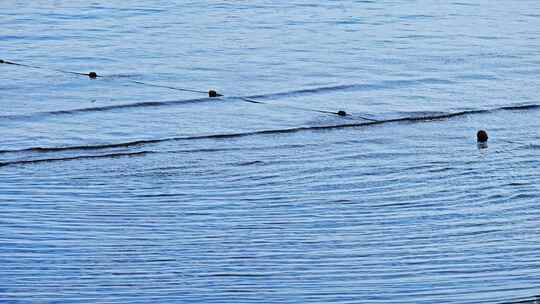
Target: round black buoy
(482, 136)
(92, 75)
(341, 113)
(213, 93)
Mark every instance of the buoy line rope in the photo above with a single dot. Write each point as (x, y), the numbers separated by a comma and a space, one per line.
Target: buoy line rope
(339, 113)
(211, 93)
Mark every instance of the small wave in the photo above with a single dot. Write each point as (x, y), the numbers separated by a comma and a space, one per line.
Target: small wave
(250, 163)
(413, 17)
(531, 147)
(522, 300)
(47, 160)
(319, 90)
(354, 87)
(236, 274)
(103, 108)
(521, 107)
(477, 76)
(273, 131)
(465, 4)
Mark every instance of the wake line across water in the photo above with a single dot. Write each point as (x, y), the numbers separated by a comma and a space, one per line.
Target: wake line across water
(80, 157)
(521, 300)
(303, 92)
(215, 94)
(274, 131)
(102, 108)
(389, 84)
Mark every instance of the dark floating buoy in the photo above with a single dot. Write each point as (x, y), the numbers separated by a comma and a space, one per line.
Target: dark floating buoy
(92, 75)
(1, 61)
(482, 136)
(213, 93)
(341, 113)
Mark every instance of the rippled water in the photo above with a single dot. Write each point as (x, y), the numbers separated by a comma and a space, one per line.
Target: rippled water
(117, 192)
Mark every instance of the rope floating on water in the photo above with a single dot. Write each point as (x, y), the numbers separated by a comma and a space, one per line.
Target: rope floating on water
(42, 68)
(94, 75)
(287, 106)
(211, 93)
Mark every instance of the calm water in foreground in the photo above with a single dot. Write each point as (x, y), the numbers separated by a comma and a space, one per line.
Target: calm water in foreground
(116, 192)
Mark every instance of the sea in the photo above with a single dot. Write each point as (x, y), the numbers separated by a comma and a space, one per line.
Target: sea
(136, 186)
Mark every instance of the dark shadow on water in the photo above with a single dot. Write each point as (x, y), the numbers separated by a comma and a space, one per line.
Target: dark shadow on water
(524, 300)
(482, 146)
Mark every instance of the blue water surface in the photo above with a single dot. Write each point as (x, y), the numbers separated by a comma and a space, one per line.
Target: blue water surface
(113, 191)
